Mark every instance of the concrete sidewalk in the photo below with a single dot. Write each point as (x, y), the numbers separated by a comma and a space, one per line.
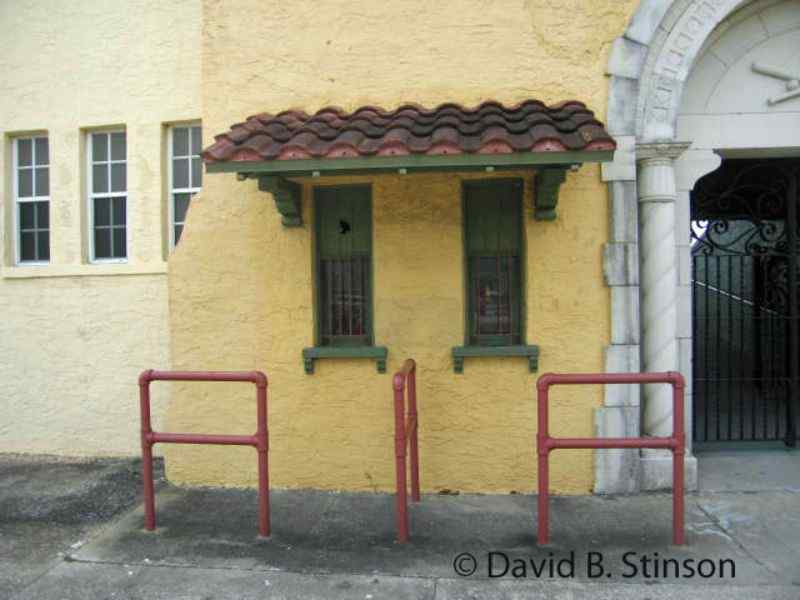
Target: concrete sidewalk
(328, 545)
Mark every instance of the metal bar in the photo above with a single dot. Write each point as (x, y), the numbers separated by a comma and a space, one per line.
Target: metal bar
(196, 438)
(405, 431)
(414, 442)
(147, 453)
(262, 435)
(605, 443)
(400, 459)
(259, 440)
(706, 321)
(718, 327)
(329, 297)
(695, 369)
(676, 443)
(729, 353)
(794, 330)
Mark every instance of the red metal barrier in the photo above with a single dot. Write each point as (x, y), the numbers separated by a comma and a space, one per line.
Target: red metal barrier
(259, 440)
(676, 443)
(405, 436)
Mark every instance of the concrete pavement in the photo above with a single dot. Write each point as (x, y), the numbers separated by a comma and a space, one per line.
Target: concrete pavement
(329, 545)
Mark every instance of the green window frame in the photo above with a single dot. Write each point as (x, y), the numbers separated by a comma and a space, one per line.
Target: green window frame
(494, 262)
(344, 273)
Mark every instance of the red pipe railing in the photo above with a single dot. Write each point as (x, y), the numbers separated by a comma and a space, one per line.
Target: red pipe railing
(405, 436)
(259, 440)
(676, 443)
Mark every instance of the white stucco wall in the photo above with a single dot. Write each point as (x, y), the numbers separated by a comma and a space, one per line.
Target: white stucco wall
(73, 335)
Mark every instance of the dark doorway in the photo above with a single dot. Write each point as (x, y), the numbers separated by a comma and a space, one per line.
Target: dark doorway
(746, 353)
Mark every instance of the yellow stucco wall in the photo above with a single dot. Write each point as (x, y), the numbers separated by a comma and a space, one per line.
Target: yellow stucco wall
(75, 335)
(241, 284)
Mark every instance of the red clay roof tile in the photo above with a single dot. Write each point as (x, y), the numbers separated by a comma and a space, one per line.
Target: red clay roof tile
(489, 128)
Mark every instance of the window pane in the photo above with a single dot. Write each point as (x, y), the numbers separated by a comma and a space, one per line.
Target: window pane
(119, 243)
(100, 179)
(180, 141)
(178, 232)
(197, 140)
(180, 173)
(42, 181)
(119, 217)
(118, 146)
(102, 211)
(27, 216)
(181, 206)
(24, 153)
(25, 183)
(102, 243)
(118, 177)
(42, 151)
(42, 215)
(43, 245)
(27, 250)
(99, 146)
(197, 172)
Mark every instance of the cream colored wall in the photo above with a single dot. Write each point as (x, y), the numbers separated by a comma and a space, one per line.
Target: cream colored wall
(74, 336)
(241, 284)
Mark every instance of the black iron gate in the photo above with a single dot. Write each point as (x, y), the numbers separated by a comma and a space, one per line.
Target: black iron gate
(746, 354)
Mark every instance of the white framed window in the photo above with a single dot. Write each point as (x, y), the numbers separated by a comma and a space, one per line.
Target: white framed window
(32, 199)
(185, 174)
(108, 196)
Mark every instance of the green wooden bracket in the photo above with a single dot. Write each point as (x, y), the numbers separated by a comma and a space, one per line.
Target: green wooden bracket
(462, 352)
(547, 186)
(287, 198)
(379, 353)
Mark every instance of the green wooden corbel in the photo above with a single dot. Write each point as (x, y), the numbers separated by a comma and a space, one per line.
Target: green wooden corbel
(287, 198)
(547, 186)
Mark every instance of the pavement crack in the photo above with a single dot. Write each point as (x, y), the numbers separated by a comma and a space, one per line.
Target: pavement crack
(734, 539)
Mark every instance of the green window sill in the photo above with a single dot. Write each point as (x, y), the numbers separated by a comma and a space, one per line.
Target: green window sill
(462, 352)
(379, 353)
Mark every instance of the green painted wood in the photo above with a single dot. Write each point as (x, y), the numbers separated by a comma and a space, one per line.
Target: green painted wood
(344, 227)
(493, 218)
(531, 352)
(378, 353)
(547, 187)
(422, 162)
(287, 195)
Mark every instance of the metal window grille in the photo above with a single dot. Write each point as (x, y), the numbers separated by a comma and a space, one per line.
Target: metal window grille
(345, 292)
(494, 283)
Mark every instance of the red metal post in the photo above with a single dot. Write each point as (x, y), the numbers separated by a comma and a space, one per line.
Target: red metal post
(147, 452)
(405, 436)
(678, 454)
(676, 443)
(260, 440)
(263, 458)
(414, 441)
(543, 453)
(400, 458)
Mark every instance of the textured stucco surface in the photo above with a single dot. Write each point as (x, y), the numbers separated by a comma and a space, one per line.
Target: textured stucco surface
(75, 335)
(241, 284)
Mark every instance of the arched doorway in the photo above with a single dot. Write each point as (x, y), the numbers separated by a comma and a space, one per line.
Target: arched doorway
(692, 84)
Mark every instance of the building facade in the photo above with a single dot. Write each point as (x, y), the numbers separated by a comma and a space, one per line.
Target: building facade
(101, 160)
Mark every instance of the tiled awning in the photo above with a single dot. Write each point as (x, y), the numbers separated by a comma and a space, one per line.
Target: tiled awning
(409, 138)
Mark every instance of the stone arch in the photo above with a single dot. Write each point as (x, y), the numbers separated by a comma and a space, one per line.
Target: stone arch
(650, 66)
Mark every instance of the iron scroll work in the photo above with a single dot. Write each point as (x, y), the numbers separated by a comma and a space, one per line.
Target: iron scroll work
(745, 274)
